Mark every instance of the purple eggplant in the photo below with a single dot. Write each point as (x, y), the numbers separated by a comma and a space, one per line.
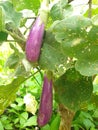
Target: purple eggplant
(45, 109)
(34, 41)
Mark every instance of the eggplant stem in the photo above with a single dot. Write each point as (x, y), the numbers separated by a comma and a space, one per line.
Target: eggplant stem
(66, 117)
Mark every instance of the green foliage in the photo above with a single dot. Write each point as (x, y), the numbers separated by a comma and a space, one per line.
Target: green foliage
(16, 115)
(83, 119)
(94, 11)
(76, 41)
(9, 14)
(72, 89)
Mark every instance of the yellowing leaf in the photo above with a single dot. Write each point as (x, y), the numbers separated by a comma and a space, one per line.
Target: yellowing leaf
(31, 103)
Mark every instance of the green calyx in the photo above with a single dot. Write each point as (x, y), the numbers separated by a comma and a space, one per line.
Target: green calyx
(49, 74)
(44, 11)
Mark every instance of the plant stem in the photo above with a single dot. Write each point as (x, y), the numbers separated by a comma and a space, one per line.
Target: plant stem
(90, 9)
(18, 37)
(66, 117)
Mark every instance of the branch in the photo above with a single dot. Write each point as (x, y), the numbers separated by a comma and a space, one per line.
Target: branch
(16, 35)
(70, 1)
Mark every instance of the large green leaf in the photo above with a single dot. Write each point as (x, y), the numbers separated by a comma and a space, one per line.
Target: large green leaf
(51, 57)
(71, 28)
(79, 38)
(72, 89)
(8, 92)
(9, 13)
(26, 4)
(87, 62)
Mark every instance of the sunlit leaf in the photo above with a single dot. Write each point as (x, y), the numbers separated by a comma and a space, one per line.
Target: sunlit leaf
(79, 39)
(26, 4)
(31, 121)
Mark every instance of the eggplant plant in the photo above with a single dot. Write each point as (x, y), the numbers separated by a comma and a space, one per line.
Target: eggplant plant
(68, 50)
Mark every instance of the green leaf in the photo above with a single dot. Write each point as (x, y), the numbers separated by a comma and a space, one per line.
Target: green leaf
(8, 92)
(31, 121)
(24, 115)
(94, 11)
(60, 10)
(3, 36)
(72, 89)
(27, 4)
(23, 118)
(55, 123)
(8, 126)
(70, 28)
(51, 56)
(88, 123)
(10, 15)
(87, 63)
(95, 20)
(12, 61)
(20, 71)
(95, 115)
(46, 127)
(1, 126)
(78, 39)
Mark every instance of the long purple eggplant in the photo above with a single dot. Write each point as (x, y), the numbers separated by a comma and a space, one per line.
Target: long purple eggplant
(34, 41)
(45, 109)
